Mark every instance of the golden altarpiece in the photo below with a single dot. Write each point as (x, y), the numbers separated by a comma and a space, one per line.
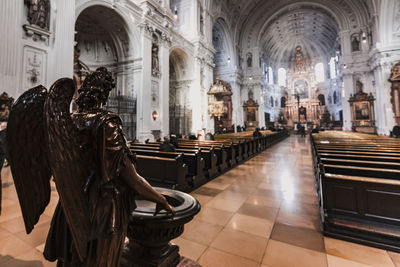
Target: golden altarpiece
(302, 88)
(250, 108)
(362, 111)
(220, 104)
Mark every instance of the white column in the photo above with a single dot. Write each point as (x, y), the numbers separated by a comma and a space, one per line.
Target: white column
(196, 98)
(208, 81)
(236, 106)
(347, 90)
(144, 110)
(384, 115)
(164, 86)
(61, 62)
(258, 97)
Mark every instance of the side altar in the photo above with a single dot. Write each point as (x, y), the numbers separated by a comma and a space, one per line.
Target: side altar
(220, 105)
(250, 108)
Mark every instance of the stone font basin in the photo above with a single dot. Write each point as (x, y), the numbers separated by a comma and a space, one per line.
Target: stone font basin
(149, 236)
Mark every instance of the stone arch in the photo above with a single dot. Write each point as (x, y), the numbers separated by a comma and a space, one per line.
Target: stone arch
(224, 58)
(389, 22)
(129, 25)
(103, 40)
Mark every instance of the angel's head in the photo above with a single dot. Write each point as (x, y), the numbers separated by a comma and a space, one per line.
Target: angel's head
(95, 89)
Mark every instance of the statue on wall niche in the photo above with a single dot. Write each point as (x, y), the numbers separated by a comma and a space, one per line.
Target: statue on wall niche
(249, 60)
(94, 171)
(39, 13)
(355, 43)
(155, 64)
(359, 86)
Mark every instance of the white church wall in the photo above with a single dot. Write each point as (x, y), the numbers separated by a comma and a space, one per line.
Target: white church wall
(32, 56)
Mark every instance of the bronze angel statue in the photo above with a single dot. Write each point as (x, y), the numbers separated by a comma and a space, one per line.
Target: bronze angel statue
(94, 171)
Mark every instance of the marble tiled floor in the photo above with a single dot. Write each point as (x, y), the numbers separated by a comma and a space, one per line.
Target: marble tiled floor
(261, 213)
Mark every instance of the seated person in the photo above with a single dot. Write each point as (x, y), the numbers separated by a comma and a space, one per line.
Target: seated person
(166, 146)
(257, 133)
(209, 136)
(396, 131)
(174, 140)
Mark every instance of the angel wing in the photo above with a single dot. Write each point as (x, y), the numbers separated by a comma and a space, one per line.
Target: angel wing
(68, 166)
(28, 154)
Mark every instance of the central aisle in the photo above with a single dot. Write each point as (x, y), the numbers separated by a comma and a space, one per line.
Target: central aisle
(264, 213)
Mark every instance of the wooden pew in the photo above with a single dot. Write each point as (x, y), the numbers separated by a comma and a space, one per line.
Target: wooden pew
(360, 157)
(222, 159)
(197, 159)
(163, 172)
(360, 149)
(230, 148)
(361, 209)
(360, 163)
(358, 188)
(350, 152)
(194, 161)
(210, 159)
(353, 170)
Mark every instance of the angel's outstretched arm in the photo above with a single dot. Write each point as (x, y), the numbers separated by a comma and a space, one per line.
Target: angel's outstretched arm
(142, 187)
(116, 156)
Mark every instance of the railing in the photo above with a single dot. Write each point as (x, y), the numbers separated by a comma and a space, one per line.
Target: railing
(125, 107)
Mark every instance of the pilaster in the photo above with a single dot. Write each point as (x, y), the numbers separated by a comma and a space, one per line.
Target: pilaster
(145, 122)
(347, 90)
(165, 45)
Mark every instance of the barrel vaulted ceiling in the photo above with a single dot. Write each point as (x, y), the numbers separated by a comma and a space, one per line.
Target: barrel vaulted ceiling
(310, 27)
(277, 27)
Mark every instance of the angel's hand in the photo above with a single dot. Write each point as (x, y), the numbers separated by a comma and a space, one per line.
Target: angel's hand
(164, 206)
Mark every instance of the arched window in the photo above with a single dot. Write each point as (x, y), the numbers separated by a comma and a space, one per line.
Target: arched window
(320, 72)
(282, 77)
(270, 76)
(332, 68)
